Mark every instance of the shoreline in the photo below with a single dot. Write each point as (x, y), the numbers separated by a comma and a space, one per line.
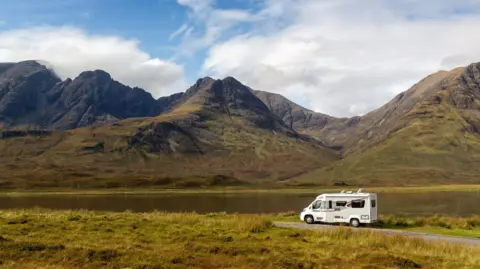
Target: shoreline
(239, 190)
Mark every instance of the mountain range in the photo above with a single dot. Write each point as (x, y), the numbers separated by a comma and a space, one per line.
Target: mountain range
(93, 131)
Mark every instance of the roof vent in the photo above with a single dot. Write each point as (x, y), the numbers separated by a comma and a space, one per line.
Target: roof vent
(359, 190)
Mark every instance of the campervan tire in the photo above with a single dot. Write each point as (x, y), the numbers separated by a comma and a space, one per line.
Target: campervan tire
(309, 219)
(354, 223)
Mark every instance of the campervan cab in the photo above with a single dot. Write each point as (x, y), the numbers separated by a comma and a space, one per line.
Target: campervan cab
(355, 208)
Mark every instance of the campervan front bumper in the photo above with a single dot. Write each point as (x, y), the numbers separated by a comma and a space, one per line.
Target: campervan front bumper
(302, 214)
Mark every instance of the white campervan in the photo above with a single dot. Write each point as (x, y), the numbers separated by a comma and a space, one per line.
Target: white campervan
(355, 208)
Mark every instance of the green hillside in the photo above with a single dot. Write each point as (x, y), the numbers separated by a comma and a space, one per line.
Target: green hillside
(436, 142)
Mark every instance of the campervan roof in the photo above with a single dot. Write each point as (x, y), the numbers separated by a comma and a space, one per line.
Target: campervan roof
(343, 193)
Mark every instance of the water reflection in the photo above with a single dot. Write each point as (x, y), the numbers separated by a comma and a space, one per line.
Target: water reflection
(415, 204)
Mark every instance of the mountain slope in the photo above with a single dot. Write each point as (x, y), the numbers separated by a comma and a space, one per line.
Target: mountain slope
(330, 130)
(357, 133)
(218, 129)
(430, 135)
(221, 131)
(377, 125)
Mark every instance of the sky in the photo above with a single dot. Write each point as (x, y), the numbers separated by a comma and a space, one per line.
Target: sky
(339, 57)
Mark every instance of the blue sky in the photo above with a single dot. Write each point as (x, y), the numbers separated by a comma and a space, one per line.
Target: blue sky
(340, 57)
(149, 21)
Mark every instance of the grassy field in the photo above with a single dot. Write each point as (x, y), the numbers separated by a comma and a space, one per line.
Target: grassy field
(80, 239)
(249, 188)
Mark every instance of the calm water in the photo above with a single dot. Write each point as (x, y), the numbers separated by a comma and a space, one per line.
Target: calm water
(450, 203)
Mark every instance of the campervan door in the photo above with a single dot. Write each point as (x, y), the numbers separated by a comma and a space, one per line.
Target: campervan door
(373, 207)
(329, 209)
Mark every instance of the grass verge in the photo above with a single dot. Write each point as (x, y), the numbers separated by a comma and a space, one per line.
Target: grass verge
(464, 227)
(81, 239)
(442, 225)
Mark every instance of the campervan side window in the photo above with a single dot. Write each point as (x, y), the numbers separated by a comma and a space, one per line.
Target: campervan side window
(330, 204)
(317, 205)
(374, 203)
(358, 204)
(340, 203)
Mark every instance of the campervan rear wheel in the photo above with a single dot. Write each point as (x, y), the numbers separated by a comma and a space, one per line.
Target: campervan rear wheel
(354, 223)
(309, 219)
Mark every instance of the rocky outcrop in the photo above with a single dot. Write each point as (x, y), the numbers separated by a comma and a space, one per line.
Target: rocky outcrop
(165, 137)
(465, 97)
(466, 93)
(168, 102)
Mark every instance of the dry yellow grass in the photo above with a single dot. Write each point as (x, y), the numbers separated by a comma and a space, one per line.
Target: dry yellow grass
(81, 239)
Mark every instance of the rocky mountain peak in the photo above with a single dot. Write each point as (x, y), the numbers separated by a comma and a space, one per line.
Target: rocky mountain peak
(227, 92)
(230, 97)
(16, 71)
(23, 87)
(96, 75)
(204, 81)
(232, 81)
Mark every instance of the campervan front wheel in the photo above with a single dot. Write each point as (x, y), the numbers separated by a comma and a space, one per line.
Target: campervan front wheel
(354, 223)
(309, 219)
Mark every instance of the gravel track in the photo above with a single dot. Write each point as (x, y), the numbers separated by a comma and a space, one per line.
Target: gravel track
(425, 236)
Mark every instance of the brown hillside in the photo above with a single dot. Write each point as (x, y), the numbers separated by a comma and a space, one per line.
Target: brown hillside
(219, 132)
(429, 134)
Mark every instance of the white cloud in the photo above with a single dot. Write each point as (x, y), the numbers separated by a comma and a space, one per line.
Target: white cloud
(347, 57)
(72, 51)
(198, 6)
(214, 23)
(179, 31)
